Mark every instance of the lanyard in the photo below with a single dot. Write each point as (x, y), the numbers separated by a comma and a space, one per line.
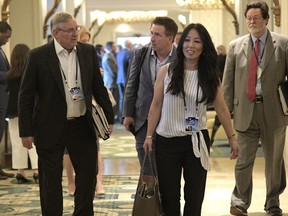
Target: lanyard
(196, 101)
(155, 67)
(262, 53)
(63, 73)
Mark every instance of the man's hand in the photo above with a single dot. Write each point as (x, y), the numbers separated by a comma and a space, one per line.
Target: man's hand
(129, 124)
(27, 142)
(110, 129)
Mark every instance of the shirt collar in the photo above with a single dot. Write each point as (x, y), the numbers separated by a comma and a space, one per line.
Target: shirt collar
(170, 54)
(59, 49)
(262, 38)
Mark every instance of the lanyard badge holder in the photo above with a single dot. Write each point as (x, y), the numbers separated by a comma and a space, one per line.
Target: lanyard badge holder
(75, 92)
(192, 122)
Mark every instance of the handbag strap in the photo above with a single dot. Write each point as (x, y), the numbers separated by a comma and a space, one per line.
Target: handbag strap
(154, 171)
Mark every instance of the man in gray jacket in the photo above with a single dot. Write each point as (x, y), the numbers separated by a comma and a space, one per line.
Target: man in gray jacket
(139, 89)
(255, 66)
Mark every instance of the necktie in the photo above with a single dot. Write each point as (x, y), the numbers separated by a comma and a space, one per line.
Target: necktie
(251, 94)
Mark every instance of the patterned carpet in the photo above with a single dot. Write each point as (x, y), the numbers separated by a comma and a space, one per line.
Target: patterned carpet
(23, 200)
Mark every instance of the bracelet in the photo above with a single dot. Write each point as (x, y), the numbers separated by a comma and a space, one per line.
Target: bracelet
(230, 137)
(148, 137)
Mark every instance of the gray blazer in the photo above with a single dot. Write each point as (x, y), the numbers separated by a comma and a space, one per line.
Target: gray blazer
(139, 91)
(274, 66)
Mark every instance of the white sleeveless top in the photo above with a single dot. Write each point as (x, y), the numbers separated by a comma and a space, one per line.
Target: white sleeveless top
(172, 120)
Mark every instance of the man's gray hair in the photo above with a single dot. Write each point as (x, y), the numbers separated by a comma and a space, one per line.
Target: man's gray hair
(58, 18)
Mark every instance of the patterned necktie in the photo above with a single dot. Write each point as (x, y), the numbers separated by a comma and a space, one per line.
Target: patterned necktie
(251, 94)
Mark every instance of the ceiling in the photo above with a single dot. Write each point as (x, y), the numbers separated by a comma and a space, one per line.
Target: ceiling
(128, 5)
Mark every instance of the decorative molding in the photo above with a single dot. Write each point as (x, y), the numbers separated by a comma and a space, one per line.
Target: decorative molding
(4, 12)
(233, 13)
(48, 15)
(76, 10)
(95, 35)
(277, 12)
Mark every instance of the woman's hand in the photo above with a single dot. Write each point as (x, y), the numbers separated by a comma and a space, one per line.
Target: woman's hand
(148, 144)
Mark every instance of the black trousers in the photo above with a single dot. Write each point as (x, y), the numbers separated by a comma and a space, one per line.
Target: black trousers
(172, 156)
(82, 149)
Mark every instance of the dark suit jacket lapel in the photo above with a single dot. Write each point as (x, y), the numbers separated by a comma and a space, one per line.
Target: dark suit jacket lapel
(53, 63)
(82, 56)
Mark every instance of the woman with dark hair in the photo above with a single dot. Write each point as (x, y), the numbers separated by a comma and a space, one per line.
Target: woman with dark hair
(178, 116)
(19, 153)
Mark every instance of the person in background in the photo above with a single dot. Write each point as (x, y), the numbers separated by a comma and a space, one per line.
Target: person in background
(19, 153)
(5, 34)
(177, 38)
(84, 37)
(123, 60)
(178, 115)
(100, 52)
(139, 88)
(110, 68)
(221, 51)
(55, 112)
(256, 64)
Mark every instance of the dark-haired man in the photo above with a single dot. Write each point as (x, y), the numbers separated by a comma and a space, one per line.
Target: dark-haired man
(256, 64)
(139, 89)
(5, 34)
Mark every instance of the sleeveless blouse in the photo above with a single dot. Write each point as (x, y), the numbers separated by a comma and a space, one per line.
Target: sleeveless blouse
(172, 120)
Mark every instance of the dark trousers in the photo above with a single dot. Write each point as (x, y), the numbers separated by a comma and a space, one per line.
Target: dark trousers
(140, 138)
(82, 149)
(172, 156)
(121, 90)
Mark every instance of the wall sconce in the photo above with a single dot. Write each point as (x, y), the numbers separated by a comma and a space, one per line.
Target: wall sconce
(4, 12)
(48, 15)
(277, 12)
(182, 19)
(77, 5)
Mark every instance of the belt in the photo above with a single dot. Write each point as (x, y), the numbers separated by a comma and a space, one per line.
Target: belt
(258, 99)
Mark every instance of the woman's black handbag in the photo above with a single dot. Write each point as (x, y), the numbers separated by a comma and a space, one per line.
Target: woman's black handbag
(147, 200)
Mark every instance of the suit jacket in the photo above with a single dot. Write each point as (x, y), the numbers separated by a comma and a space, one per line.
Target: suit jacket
(139, 89)
(274, 66)
(123, 60)
(110, 69)
(42, 103)
(4, 68)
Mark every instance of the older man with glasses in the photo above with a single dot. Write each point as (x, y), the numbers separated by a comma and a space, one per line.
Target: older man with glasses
(55, 103)
(256, 64)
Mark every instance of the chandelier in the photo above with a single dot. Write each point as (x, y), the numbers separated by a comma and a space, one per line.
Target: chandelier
(204, 4)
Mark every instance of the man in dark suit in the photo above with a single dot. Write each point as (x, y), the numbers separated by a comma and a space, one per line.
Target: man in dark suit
(256, 107)
(55, 102)
(5, 34)
(139, 89)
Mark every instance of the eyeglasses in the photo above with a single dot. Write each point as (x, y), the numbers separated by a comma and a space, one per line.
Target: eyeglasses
(249, 19)
(71, 30)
